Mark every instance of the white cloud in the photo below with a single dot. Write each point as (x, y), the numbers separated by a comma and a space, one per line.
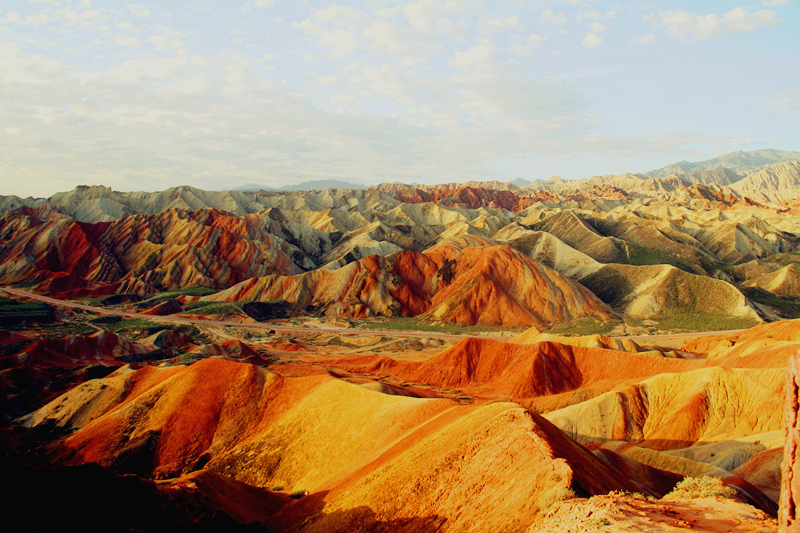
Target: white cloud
(596, 27)
(595, 15)
(20, 68)
(342, 99)
(84, 15)
(643, 39)
(431, 15)
(387, 81)
(789, 100)
(500, 24)
(126, 40)
(15, 18)
(592, 41)
(125, 25)
(774, 2)
(139, 10)
(689, 26)
(341, 42)
(388, 39)
(482, 53)
(553, 18)
(50, 2)
(525, 50)
(338, 14)
(256, 3)
(165, 42)
(195, 84)
(327, 80)
(134, 71)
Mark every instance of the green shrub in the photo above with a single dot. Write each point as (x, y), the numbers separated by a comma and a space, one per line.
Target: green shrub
(700, 487)
(554, 495)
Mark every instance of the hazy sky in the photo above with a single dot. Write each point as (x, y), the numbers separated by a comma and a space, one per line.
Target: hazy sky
(222, 94)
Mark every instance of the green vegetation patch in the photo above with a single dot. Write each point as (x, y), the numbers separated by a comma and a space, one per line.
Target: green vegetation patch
(189, 358)
(63, 329)
(15, 313)
(212, 308)
(787, 307)
(704, 322)
(14, 347)
(414, 324)
(585, 326)
(639, 256)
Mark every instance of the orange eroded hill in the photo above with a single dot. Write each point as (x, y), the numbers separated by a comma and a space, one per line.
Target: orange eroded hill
(493, 369)
(367, 458)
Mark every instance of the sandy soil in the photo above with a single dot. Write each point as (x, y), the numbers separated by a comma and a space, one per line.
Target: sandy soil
(615, 512)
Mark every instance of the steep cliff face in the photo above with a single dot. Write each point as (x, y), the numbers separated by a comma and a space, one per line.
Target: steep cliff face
(788, 519)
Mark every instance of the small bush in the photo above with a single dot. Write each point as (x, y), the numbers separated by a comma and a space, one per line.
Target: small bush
(298, 494)
(700, 487)
(553, 495)
(598, 522)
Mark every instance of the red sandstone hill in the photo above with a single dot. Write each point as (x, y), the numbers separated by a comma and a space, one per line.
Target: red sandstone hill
(469, 197)
(467, 280)
(138, 254)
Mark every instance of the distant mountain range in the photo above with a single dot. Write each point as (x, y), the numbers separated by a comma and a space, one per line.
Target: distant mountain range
(304, 186)
(723, 170)
(743, 163)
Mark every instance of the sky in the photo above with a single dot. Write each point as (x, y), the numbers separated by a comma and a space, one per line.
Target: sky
(217, 95)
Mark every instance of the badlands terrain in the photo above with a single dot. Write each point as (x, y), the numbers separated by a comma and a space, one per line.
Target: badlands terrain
(549, 356)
